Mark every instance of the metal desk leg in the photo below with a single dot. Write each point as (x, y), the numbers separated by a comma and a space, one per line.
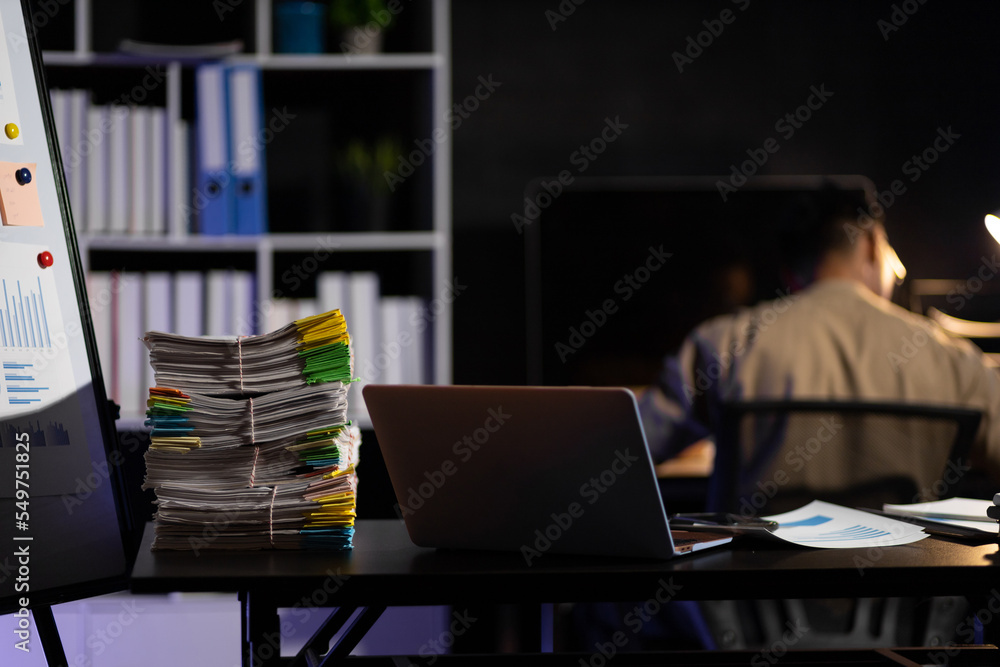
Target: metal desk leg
(48, 632)
(548, 622)
(261, 630)
(244, 630)
(319, 643)
(357, 628)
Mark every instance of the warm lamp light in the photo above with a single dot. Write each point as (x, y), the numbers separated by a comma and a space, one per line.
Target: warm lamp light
(993, 224)
(897, 264)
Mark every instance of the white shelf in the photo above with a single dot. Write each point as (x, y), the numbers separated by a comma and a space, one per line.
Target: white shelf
(326, 61)
(90, 59)
(334, 241)
(170, 243)
(336, 61)
(360, 241)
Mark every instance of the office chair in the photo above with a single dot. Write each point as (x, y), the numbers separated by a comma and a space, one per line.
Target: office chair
(984, 334)
(776, 455)
(964, 328)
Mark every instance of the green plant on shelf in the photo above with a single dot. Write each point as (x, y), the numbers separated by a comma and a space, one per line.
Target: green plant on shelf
(350, 13)
(366, 164)
(361, 23)
(363, 167)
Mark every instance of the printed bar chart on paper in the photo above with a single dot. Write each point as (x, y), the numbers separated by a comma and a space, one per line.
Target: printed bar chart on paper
(21, 385)
(24, 322)
(825, 525)
(35, 369)
(37, 382)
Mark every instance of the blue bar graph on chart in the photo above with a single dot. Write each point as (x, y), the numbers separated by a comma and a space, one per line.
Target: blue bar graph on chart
(24, 327)
(24, 322)
(23, 387)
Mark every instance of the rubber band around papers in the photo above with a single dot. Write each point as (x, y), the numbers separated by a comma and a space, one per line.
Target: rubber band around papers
(253, 469)
(270, 520)
(253, 428)
(239, 349)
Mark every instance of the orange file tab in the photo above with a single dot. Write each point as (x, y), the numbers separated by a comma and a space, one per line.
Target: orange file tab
(19, 204)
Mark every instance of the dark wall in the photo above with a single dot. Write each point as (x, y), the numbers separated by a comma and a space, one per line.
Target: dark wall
(893, 88)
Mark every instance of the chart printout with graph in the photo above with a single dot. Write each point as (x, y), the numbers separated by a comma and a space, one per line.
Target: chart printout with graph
(61, 507)
(33, 343)
(37, 388)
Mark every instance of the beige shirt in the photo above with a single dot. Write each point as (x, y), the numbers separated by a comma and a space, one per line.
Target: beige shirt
(834, 340)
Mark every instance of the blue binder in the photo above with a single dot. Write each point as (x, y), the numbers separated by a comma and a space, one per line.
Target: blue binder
(246, 113)
(213, 199)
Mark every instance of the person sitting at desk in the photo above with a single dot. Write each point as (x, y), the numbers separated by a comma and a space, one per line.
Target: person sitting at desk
(838, 338)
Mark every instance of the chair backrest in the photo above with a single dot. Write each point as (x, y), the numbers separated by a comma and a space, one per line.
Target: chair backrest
(775, 455)
(964, 328)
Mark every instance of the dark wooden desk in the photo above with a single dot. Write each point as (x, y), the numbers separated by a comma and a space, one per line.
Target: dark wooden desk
(386, 569)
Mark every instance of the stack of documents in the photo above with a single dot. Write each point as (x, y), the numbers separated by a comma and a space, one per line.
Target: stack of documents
(312, 510)
(186, 421)
(307, 351)
(172, 459)
(250, 443)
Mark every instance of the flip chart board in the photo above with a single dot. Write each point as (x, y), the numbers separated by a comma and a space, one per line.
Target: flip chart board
(62, 515)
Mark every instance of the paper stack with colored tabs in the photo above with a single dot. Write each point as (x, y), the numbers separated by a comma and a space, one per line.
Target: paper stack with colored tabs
(307, 351)
(250, 443)
(278, 417)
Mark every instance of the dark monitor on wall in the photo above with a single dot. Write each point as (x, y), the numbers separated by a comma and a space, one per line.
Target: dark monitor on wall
(619, 270)
(63, 522)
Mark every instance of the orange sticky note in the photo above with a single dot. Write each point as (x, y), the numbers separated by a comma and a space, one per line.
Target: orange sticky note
(19, 204)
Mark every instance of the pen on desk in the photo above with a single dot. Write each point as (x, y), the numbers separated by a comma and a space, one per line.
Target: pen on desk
(722, 519)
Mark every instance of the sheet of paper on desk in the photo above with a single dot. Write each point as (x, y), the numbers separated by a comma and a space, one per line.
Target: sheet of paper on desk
(963, 509)
(827, 526)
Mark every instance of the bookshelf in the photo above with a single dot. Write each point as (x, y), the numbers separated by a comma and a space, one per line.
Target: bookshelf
(316, 223)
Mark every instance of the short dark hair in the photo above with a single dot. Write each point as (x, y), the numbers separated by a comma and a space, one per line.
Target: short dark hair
(828, 219)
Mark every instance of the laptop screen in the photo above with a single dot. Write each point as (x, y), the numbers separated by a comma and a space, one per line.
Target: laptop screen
(527, 469)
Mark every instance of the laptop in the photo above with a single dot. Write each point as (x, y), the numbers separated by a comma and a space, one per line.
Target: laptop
(533, 470)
